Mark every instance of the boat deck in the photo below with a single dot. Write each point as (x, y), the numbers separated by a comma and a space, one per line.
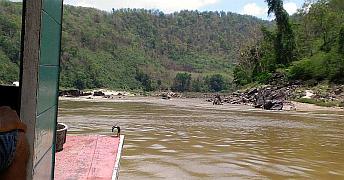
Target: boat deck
(89, 157)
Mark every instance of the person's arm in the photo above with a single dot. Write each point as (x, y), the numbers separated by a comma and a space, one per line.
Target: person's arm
(11, 126)
(9, 120)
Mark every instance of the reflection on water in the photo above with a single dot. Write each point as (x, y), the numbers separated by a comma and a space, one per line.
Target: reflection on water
(178, 141)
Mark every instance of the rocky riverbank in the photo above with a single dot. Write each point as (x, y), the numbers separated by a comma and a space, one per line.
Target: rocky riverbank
(98, 93)
(268, 97)
(273, 97)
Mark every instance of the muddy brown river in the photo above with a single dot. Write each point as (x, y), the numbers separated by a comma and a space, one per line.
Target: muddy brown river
(191, 139)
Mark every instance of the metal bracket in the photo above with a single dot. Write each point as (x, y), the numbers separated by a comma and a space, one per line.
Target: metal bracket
(118, 130)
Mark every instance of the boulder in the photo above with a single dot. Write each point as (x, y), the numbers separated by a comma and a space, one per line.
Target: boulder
(277, 105)
(273, 105)
(252, 92)
(86, 94)
(217, 100)
(338, 91)
(98, 93)
(165, 96)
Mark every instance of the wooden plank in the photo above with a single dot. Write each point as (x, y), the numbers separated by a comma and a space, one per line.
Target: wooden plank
(29, 72)
(88, 157)
(115, 172)
(42, 169)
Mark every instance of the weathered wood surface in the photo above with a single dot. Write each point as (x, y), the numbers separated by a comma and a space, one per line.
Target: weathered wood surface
(29, 73)
(88, 157)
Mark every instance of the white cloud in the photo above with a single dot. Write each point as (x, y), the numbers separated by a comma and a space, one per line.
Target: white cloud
(290, 7)
(261, 11)
(167, 6)
(254, 10)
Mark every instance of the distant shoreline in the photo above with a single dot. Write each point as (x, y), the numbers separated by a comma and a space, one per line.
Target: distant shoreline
(195, 102)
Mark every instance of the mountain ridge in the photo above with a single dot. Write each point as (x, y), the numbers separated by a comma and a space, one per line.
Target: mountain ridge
(110, 49)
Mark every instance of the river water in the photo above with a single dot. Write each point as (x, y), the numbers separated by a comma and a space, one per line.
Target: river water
(191, 139)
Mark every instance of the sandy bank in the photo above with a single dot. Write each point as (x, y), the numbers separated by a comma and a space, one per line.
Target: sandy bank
(194, 102)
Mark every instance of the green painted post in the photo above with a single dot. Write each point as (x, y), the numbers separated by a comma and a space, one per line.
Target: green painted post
(39, 82)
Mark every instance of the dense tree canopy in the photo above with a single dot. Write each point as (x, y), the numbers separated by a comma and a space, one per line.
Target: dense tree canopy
(319, 37)
(136, 48)
(10, 25)
(182, 82)
(285, 40)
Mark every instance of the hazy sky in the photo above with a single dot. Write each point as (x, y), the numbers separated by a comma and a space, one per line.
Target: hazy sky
(251, 7)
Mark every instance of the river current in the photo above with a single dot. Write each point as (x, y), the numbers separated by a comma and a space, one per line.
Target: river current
(192, 139)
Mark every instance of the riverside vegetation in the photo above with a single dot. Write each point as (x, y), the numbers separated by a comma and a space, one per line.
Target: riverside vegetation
(139, 49)
(306, 49)
(190, 50)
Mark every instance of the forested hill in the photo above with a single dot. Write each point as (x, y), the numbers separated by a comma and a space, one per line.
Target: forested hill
(137, 48)
(112, 47)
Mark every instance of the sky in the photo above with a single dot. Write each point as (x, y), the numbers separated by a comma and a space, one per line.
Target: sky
(256, 8)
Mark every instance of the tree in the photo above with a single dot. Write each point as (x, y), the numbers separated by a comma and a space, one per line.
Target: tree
(341, 41)
(285, 39)
(216, 83)
(108, 54)
(199, 85)
(145, 80)
(182, 82)
(256, 60)
(159, 83)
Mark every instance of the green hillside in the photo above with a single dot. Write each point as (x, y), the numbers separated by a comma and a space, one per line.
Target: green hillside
(307, 47)
(137, 48)
(10, 27)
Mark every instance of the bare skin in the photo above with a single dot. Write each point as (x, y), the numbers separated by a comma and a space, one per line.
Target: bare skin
(9, 121)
